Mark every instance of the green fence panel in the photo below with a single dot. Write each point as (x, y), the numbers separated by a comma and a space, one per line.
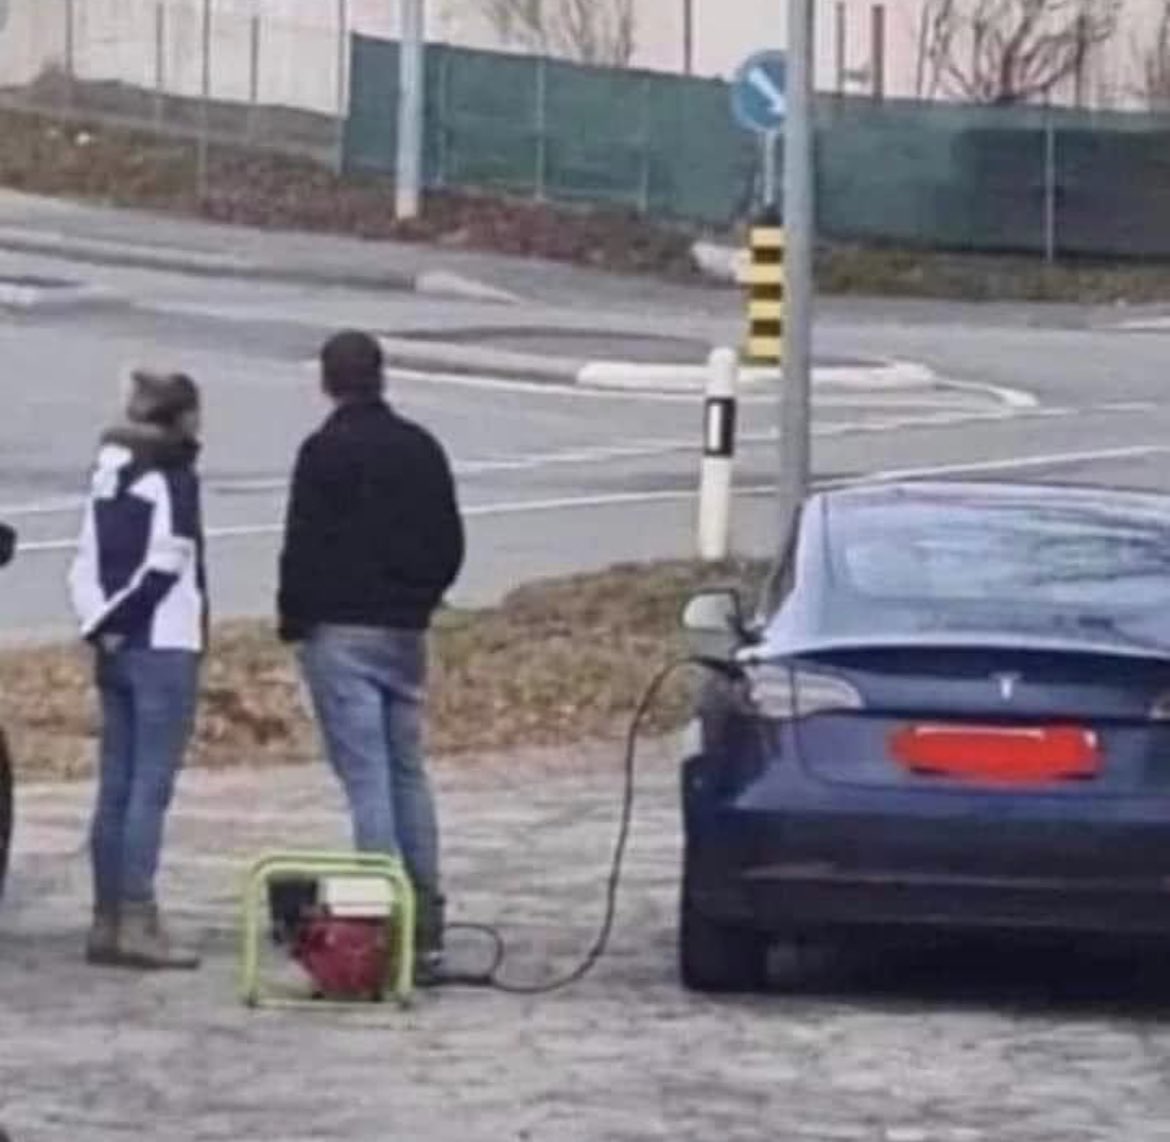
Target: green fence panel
(483, 118)
(917, 174)
(371, 128)
(702, 167)
(597, 135)
(557, 131)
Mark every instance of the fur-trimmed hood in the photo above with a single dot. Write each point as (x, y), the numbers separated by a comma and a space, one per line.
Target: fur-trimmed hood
(151, 445)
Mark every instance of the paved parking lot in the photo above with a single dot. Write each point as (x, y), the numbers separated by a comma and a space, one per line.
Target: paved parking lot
(945, 1049)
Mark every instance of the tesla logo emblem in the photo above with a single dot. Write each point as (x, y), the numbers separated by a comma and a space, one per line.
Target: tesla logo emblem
(1007, 685)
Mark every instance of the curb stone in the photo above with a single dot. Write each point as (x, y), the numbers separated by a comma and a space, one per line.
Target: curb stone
(65, 296)
(474, 360)
(199, 263)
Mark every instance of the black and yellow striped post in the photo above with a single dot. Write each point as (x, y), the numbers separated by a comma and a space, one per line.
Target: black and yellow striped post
(764, 277)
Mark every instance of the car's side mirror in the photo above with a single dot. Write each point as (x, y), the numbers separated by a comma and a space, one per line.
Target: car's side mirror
(714, 623)
(7, 544)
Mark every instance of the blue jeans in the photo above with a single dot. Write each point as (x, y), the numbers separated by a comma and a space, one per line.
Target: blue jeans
(148, 700)
(367, 686)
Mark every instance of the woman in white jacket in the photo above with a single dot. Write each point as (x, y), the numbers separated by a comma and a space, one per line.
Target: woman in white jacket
(139, 589)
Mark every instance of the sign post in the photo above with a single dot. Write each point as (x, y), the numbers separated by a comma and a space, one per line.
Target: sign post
(800, 226)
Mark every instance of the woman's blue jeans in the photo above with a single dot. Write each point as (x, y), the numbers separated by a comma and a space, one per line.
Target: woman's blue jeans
(148, 702)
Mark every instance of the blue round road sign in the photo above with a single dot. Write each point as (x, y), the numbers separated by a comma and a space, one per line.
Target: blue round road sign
(757, 92)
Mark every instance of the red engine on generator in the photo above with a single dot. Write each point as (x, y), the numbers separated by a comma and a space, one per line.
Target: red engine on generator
(345, 956)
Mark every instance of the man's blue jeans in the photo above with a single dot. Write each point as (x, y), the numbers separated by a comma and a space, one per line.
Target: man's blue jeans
(367, 686)
(148, 701)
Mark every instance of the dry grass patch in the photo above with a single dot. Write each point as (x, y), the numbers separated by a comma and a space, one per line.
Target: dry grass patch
(557, 662)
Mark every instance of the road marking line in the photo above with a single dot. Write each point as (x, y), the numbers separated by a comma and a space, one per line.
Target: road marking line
(622, 499)
(586, 454)
(41, 507)
(644, 447)
(1017, 463)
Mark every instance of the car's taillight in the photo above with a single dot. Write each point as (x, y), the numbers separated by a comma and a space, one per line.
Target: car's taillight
(781, 693)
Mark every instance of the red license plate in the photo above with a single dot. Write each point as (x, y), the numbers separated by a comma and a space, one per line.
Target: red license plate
(995, 754)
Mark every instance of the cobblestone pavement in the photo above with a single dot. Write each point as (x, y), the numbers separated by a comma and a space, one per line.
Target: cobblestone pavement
(946, 1050)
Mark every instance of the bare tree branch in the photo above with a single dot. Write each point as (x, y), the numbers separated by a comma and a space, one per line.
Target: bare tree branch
(1153, 65)
(598, 32)
(1010, 51)
(935, 39)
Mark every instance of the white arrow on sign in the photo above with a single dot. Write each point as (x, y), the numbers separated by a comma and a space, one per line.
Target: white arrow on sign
(762, 82)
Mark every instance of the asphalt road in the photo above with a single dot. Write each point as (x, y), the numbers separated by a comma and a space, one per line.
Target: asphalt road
(553, 480)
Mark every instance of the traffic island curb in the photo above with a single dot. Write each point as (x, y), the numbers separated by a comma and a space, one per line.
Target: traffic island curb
(416, 354)
(32, 294)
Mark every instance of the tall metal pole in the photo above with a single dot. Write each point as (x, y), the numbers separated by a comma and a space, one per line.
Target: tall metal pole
(411, 63)
(688, 37)
(799, 224)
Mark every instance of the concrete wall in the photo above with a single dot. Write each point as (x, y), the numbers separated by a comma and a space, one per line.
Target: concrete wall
(298, 43)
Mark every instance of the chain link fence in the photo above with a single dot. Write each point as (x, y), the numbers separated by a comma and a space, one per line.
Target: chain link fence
(556, 131)
(188, 68)
(1020, 179)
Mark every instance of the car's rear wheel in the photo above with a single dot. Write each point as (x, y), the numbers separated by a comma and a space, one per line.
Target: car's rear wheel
(6, 812)
(719, 958)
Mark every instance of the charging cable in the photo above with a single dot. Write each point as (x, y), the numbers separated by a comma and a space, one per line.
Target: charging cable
(492, 977)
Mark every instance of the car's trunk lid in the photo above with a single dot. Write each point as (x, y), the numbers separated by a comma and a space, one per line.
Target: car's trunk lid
(1063, 723)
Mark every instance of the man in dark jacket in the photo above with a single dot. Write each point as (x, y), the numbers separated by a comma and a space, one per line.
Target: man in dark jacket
(373, 541)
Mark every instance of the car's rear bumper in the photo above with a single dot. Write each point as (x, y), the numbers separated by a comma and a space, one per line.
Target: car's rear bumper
(792, 854)
(791, 898)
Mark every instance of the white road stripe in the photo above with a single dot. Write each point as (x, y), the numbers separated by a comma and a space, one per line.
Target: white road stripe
(625, 499)
(635, 449)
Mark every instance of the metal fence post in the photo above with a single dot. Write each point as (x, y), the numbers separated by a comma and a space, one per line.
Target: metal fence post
(201, 156)
(253, 75)
(541, 180)
(70, 51)
(1049, 186)
(840, 46)
(160, 61)
(647, 173)
(443, 119)
(342, 80)
(878, 39)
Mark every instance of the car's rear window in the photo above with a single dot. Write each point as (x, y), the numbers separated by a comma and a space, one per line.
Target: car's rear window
(1008, 551)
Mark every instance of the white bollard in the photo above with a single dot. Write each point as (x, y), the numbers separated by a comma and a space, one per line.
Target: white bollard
(719, 416)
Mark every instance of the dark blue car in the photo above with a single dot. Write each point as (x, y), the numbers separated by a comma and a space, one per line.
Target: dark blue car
(952, 713)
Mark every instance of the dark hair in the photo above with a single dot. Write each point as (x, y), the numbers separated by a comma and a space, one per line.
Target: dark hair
(351, 366)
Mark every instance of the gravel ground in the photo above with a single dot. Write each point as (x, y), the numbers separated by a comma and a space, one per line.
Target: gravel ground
(951, 1050)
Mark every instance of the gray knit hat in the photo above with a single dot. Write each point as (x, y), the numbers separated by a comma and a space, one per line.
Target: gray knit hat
(159, 398)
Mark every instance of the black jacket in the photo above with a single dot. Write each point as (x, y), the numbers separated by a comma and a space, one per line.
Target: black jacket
(373, 535)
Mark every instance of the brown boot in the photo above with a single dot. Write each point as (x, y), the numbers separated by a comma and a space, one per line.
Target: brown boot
(101, 945)
(143, 942)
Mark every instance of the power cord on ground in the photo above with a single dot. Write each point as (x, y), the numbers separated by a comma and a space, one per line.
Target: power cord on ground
(491, 978)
